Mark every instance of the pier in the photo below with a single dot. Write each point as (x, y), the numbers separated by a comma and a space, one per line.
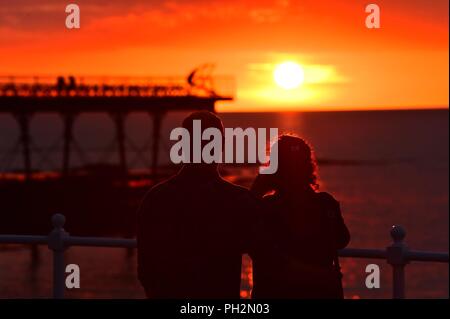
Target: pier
(34, 194)
(24, 97)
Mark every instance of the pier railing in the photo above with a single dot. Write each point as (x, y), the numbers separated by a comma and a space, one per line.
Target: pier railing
(398, 255)
(95, 86)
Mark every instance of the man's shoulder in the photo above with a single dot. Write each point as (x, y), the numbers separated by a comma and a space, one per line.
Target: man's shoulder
(160, 189)
(157, 197)
(168, 184)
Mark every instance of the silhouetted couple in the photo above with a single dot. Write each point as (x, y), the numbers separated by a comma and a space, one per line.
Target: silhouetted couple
(194, 228)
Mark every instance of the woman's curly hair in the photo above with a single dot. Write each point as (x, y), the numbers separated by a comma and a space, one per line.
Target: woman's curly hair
(296, 161)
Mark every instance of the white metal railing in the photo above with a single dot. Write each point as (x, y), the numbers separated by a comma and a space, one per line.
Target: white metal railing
(398, 255)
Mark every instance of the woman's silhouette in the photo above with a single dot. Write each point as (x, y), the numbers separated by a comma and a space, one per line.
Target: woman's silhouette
(300, 232)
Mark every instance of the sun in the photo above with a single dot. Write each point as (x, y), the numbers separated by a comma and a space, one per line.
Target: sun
(288, 75)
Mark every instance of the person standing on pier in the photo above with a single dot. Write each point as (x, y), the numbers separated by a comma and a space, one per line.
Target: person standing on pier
(193, 230)
(302, 230)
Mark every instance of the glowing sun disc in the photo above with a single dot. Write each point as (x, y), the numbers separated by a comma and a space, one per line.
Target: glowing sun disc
(288, 75)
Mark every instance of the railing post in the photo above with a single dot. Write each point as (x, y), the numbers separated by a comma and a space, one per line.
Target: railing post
(56, 244)
(396, 257)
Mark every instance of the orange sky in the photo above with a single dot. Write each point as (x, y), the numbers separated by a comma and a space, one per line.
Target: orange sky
(402, 65)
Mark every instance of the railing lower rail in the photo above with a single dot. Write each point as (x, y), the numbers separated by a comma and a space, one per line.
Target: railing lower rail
(398, 255)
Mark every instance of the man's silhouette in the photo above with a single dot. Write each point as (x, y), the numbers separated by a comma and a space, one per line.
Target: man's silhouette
(193, 230)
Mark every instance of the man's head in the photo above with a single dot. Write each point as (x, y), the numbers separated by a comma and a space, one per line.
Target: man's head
(207, 120)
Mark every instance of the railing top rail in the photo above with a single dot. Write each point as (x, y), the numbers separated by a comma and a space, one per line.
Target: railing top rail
(100, 242)
(411, 255)
(23, 239)
(362, 253)
(415, 255)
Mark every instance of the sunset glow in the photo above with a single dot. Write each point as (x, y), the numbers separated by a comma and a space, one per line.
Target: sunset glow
(289, 75)
(346, 66)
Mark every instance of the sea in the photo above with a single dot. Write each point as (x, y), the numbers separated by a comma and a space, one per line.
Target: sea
(384, 167)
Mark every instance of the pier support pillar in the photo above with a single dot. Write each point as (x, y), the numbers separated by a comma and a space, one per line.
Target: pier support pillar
(157, 120)
(25, 139)
(119, 120)
(68, 138)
